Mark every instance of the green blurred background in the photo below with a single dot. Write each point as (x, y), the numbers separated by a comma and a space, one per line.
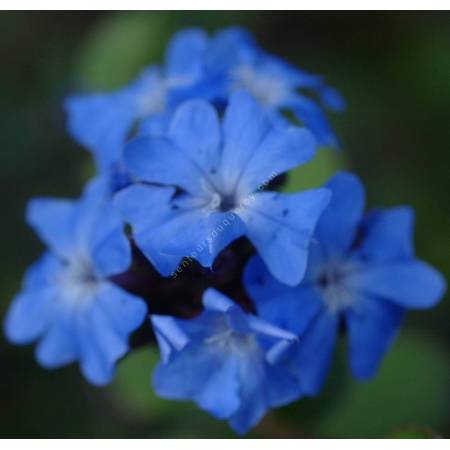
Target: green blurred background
(394, 70)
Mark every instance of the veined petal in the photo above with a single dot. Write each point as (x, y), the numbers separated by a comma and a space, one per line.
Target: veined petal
(159, 160)
(200, 236)
(245, 127)
(148, 210)
(280, 226)
(283, 148)
(195, 129)
(211, 379)
(413, 284)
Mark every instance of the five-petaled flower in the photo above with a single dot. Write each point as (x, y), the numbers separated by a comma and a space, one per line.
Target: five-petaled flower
(218, 169)
(196, 66)
(232, 364)
(187, 154)
(67, 301)
(362, 270)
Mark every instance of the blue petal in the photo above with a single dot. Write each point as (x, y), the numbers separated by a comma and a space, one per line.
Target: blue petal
(316, 350)
(280, 226)
(220, 394)
(337, 227)
(216, 301)
(288, 308)
(413, 284)
(169, 334)
(59, 345)
(148, 211)
(202, 374)
(159, 160)
(229, 47)
(245, 126)
(254, 399)
(184, 54)
(313, 118)
(111, 250)
(283, 386)
(101, 123)
(277, 69)
(53, 221)
(372, 327)
(283, 148)
(388, 236)
(199, 235)
(99, 345)
(195, 129)
(125, 311)
(31, 312)
(155, 125)
(93, 364)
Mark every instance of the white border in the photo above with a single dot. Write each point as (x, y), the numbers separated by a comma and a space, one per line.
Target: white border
(224, 5)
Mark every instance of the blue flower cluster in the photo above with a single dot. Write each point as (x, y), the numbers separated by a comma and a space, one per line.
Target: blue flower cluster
(245, 288)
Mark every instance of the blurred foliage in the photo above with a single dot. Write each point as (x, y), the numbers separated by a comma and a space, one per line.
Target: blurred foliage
(393, 69)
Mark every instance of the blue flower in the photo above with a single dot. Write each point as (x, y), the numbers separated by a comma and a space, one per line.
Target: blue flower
(197, 66)
(219, 170)
(233, 62)
(67, 301)
(362, 271)
(101, 122)
(230, 363)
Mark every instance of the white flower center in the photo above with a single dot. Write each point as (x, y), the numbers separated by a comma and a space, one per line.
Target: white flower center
(234, 342)
(154, 101)
(269, 90)
(337, 294)
(78, 282)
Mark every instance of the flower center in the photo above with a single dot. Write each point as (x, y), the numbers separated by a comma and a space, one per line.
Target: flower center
(79, 283)
(221, 202)
(154, 101)
(234, 342)
(267, 89)
(332, 282)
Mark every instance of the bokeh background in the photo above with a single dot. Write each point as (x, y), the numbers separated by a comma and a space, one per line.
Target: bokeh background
(394, 70)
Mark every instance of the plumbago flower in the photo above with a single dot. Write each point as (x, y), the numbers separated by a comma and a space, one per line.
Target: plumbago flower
(67, 301)
(233, 62)
(218, 169)
(197, 66)
(229, 362)
(101, 122)
(362, 270)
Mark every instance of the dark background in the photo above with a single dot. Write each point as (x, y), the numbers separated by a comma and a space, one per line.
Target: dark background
(394, 70)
